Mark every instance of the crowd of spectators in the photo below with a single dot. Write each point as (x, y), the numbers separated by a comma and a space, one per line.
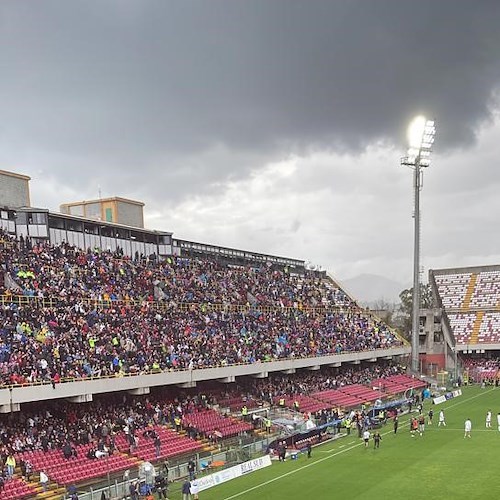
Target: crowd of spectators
(481, 369)
(97, 313)
(482, 363)
(63, 425)
(278, 384)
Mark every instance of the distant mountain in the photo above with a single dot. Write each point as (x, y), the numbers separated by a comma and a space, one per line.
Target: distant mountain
(370, 289)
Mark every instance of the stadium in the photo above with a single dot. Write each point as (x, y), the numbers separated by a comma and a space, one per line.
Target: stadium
(222, 275)
(129, 356)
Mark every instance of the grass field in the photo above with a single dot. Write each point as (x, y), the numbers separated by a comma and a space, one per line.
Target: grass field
(439, 465)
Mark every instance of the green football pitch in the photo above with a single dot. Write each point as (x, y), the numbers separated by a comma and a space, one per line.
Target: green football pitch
(441, 464)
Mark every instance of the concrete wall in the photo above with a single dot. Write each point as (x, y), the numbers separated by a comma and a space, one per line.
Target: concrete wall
(130, 214)
(14, 191)
(13, 397)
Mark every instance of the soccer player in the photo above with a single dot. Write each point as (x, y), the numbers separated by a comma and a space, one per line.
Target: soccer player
(413, 426)
(488, 419)
(498, 421)
(430, 415)
(421, 424)
(396, 424)
(468, 428)
(366, 437)
(376, 440)
(443, 421)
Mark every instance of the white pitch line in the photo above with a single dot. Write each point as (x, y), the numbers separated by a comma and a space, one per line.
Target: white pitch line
(290, 473)
(294, 471)
(462, 430)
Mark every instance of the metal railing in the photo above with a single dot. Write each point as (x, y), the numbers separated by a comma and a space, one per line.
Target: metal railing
(118, 488)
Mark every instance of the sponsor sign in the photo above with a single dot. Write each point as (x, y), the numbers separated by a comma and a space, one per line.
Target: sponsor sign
(447, 396)
(205, 482)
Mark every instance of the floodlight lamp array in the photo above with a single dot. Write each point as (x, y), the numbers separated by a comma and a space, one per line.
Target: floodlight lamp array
(420, 150)
(428, 135)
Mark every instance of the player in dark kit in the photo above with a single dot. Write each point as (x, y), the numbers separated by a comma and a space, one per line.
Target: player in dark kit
(376, 440)
(396, 423)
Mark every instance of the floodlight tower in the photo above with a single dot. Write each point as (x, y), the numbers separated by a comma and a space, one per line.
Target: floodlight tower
(421, 133)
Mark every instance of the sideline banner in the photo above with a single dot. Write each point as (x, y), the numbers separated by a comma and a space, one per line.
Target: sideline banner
(205, 482)
(447, 396)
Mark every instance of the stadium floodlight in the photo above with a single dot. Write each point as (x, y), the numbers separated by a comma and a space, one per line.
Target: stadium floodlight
(421, 134)
(416, 132)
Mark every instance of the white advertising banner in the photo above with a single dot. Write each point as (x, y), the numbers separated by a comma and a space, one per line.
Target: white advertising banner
(205, 482)
(447, 396)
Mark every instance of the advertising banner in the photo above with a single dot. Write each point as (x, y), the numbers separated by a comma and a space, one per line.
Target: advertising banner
(205, 482)
(447, 396)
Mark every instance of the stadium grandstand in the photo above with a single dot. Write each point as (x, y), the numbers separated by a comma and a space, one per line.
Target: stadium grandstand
(121, 346)
(468, 302)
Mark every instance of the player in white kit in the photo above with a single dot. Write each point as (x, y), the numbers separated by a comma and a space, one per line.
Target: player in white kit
(468, 428)
(442, 420)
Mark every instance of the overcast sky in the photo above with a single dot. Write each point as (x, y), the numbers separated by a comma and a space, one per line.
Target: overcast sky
(274, 126)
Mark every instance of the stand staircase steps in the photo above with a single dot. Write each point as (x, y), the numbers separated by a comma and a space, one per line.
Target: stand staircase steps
(477, 326)
(468, 294)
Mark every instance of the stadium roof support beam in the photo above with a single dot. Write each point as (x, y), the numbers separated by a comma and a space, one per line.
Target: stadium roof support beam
(421, 133)
(314, 368)
(82, 398)
(291, 371)
(260, 375)
(187, 385)
(12, 408)
(139, 391)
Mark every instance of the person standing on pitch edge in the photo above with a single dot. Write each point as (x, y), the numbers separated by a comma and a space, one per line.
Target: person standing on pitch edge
(441, 419)
(468, 428)
(366, 437)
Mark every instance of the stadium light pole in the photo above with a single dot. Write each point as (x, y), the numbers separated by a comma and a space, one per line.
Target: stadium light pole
(421, 133)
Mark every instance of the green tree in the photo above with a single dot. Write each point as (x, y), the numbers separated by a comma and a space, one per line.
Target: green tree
(384, 310)
(406, 306)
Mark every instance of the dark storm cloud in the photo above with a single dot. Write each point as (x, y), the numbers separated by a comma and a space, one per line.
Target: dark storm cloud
(162, 86)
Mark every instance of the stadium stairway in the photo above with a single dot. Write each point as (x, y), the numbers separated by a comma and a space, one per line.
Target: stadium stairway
(470, 291)
(54, 491)
(477, 326)
(206, 445)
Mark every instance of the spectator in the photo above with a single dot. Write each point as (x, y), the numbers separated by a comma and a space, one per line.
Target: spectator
(186, 490)
(161, 485)
(10, 464)
(44, 480)
(191, 467)
(106, 299)
(133, 493)
(157, 443)
(28, 470)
